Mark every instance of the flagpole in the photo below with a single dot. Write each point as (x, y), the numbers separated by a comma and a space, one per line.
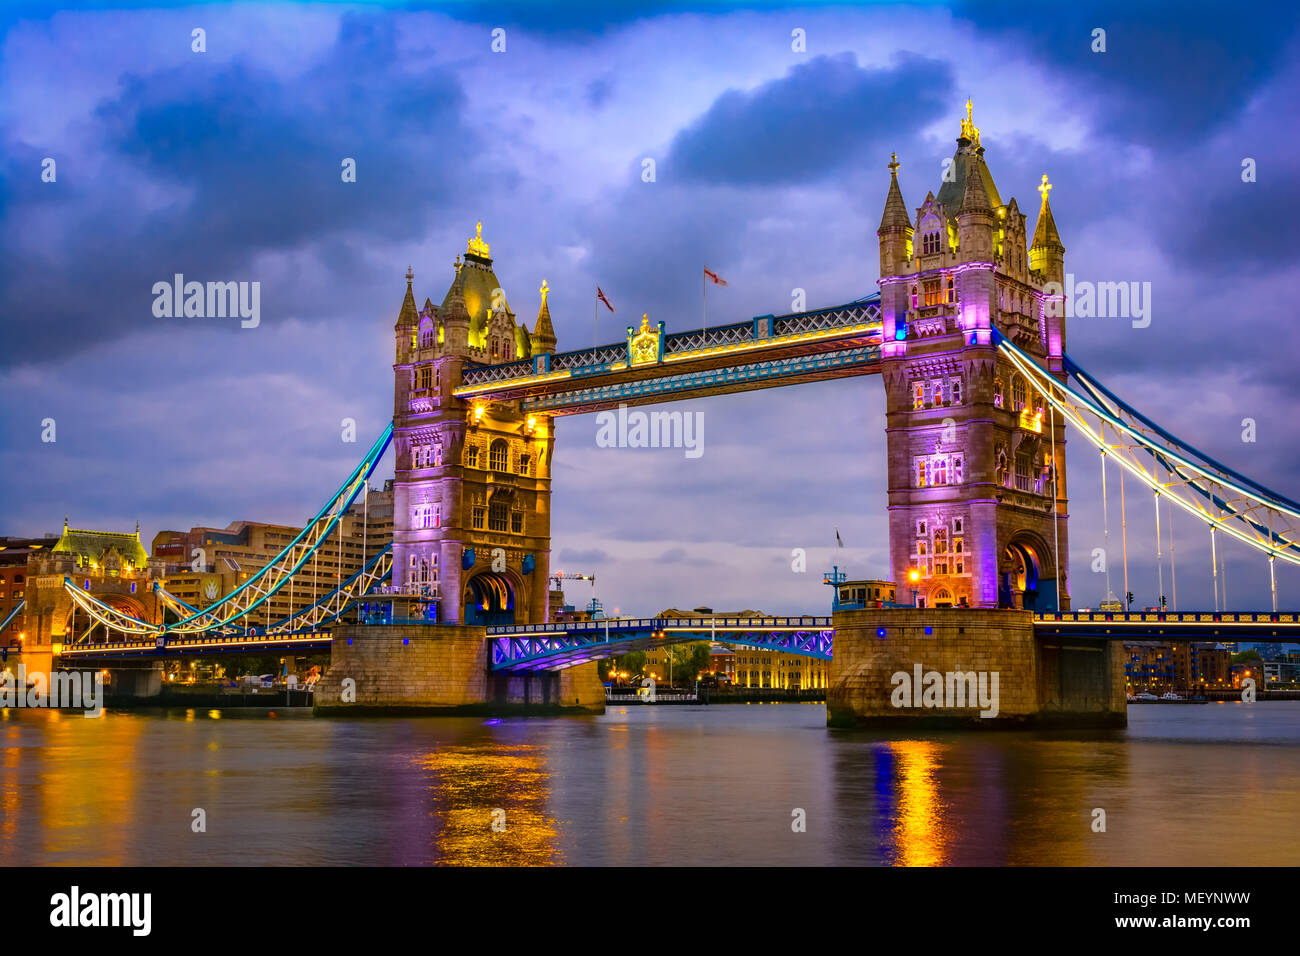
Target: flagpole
(595, 319)
(704, 305)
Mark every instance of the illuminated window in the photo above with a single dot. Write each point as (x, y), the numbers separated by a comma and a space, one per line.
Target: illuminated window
(914, 297)
(499, 455)
(920, 473)
(952, 290)
(426, 377)
(525, 463)
(954, 389)
(918, 395)
(931, 289)
(437, 454)
(997, 393)
(937, 393)
(1024, 473)
(471, 456)
(1017, 394)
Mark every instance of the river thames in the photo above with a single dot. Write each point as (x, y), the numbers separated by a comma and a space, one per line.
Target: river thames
(1214, 784)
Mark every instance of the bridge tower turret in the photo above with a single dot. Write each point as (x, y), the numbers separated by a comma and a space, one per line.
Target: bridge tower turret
(472, 478)
(973, 455)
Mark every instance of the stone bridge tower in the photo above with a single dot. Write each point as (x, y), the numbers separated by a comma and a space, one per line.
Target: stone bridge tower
(113, 567)
(977, 494)
(472, 488)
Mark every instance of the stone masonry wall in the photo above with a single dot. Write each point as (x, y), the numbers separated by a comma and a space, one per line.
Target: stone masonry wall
(442, 669)
(963, 640)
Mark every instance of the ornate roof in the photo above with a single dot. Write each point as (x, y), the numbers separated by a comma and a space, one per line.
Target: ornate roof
(95, 545)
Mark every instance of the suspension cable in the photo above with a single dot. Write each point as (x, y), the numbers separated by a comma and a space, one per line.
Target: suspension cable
(1105, 523)
(1123, 536)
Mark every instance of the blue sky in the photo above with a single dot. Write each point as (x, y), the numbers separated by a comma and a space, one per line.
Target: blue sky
(770, 164)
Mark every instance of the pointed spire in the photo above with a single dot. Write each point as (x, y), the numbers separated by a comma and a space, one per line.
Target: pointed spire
(453, 306)
(543, 337)
(895, 215)
(1045, 234)
(408, 316)
(975, 198)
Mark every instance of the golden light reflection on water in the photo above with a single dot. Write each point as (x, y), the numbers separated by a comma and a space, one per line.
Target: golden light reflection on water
(90, 785)
(469, 783)
(920, 835)
(10, 793)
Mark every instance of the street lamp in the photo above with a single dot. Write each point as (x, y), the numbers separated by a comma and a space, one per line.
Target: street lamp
(913, 576)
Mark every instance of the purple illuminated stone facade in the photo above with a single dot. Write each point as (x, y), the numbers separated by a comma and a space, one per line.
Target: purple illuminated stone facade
(977, 493)
(472, 479)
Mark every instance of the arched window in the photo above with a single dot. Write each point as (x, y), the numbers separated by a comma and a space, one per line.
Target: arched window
(1017, 394)
(952, 289)
(914, 296)
(930, 243)
(499, 455)
(426, 333)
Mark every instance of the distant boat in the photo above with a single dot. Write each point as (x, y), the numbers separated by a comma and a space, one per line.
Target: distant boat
(1170, 695)
(1144, 696)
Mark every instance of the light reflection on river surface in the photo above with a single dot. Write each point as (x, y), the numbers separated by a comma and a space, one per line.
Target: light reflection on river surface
(1213, 784)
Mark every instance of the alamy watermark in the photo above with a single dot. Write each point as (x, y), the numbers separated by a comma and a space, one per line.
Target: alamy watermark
(949, 690)
(63, 689)
(638, 429)
(1101, 300)
(214, 300)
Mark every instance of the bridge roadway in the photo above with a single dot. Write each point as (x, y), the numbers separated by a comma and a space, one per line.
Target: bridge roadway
(532, 647)
(652, 365)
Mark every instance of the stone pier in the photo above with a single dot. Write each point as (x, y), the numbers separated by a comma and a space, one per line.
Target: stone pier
(892, 670)
(442, 669)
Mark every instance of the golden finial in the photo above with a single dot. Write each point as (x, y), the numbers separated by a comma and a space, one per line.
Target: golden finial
(968, 128)
(544, 290)
(476, 245)
(1045, 187)
(894, 164)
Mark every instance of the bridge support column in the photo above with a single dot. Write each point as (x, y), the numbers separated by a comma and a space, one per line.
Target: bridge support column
(980, 669)
(441, 669)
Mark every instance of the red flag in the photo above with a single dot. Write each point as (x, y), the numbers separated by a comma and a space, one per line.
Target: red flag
(717, 279)
(601, 296)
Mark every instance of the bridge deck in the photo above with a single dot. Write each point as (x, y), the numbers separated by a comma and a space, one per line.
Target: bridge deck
(766, 351)
(526, 647)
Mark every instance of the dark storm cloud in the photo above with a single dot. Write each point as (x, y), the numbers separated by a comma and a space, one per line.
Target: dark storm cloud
(810, 124)
(201, 170)
(1171, 72)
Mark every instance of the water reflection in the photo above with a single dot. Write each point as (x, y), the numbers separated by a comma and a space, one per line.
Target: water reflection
(918, 832)
(673, 785)
(490, 806)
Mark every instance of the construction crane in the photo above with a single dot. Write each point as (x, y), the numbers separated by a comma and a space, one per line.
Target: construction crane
(559, 577)
(557, 584)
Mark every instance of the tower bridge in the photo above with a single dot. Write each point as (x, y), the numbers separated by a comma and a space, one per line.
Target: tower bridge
(967, 333)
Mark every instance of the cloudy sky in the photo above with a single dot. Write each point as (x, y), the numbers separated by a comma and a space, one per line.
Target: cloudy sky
(770, 163)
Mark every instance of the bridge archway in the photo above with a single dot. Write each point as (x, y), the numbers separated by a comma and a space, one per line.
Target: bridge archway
(77, 625)
(491, 600)
(1026, 575)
